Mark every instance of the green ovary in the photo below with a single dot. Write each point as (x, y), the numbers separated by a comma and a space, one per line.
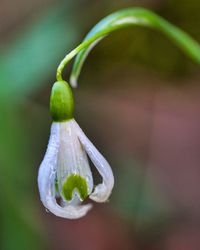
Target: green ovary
(61, 102)
(72, 183)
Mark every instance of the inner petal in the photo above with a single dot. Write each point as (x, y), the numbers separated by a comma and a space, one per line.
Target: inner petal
(73, 170)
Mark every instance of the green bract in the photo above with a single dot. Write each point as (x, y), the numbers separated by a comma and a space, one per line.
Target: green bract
(75, 183)
(61, 102)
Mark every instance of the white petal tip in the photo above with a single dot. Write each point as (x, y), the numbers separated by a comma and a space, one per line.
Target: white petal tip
(73, 82)
(101, 193)
(69, 212)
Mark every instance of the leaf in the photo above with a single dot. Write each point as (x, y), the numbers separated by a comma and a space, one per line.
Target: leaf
(125, 18)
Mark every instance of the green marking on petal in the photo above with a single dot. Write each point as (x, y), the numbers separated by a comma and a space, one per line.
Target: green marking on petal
(75, 182)
(56, 185)
(61, 102)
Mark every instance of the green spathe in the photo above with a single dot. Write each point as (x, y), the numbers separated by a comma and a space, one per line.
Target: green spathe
(72, 183)
(61, 102)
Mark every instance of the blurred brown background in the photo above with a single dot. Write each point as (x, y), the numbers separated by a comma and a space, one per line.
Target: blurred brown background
(138, 100)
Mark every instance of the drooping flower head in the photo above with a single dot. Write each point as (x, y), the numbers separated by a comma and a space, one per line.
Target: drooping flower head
(65, 178)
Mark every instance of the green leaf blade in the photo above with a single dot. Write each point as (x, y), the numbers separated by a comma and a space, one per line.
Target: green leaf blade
(126, 18)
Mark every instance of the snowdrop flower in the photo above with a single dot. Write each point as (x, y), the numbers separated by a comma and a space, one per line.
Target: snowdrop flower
(65, 178)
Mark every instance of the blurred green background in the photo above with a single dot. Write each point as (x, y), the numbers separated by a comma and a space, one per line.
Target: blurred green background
(138, 101)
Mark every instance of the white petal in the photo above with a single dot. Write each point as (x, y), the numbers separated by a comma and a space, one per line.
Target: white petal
(102, 191)
(72, 158)
(47, 168)
(46, 180)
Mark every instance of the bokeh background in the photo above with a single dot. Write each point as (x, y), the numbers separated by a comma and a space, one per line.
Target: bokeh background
(138, 101)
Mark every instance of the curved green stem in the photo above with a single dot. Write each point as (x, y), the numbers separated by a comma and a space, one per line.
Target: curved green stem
(70, 55)
(125, 18)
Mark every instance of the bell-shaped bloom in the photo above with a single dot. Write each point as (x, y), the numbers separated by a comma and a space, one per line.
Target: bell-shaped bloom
(65, 178)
